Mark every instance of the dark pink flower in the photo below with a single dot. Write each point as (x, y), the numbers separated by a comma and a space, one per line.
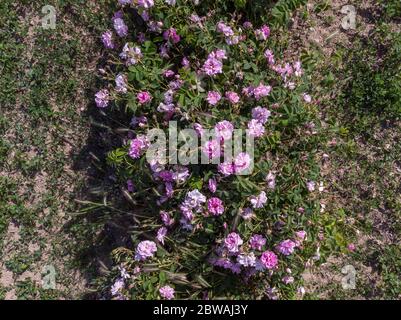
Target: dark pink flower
(144, 97)
(215, 206)
(269, 259)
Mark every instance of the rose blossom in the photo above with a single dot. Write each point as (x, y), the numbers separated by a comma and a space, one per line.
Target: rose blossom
(258, 201)
(223, 28)
(224, 129)
(247, 25)
(215, 206)
(145, 3)
(161, 234)
(212, 185)
(145, 249)
(232, 242)
(219, 54)
(257, 242)
(261, 91)
(300, 235)
(271, 180)
(288, 279)
(298, 69)
(167, 292)
(121, 83)
(102, 98)
(144, 97)
(107, 39)
(124, 2)
(131, 55)
(247, 260)
(130, 186)
(247, 213)
(165, 217)
(120, 27)
(213, 97)
(198, 128)
(233, 97)
(310, 185)
(269, 56)
(137, 146)
(212, 66)
(269, 259)
(226, 168)
(307, 98)
(172, 35)
(211, 149)
(256, 128)
(242, 162)
(263, 33)
(168, 73)
(286, 247)
(261, 114)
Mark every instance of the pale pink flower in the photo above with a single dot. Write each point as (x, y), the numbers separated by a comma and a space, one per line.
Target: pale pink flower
(223, 28)
(247, 213)
(298, 69)
(138, 146)
(263, 33)
(145, 249)
(286, 247)
(232, 242)
(198, 128)
(256, 128)
(171, 35)
(212, 66)
(219, 54)
(257, 242)
(145, 3)
(224, 129)
(213, 97)
(288, 279)
(242, 162)
(212, 149)
(233, 97)
(261, 114)
(161, 234)
(247, 260)
(307, 98)
(167, 292)
(271, 180)
(258, 201)
(226, 168)
(212, 184)
(102, 98)
(165, 217)
(269, 56)
(261, 91)
(310, 185)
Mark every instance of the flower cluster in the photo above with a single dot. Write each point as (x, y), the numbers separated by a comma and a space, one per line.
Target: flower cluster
(237, 213)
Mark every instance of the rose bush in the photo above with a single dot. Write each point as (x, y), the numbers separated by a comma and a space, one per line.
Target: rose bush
(205, 230)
